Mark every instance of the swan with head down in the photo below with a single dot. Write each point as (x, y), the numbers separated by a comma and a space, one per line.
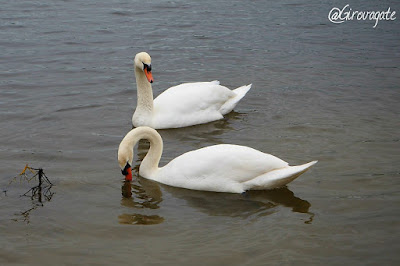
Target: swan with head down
(219, 168)
(183, 105)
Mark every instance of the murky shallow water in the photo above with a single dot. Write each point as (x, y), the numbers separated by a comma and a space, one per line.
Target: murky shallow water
(320, 91)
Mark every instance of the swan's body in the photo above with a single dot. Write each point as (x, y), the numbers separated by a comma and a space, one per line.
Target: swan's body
(182, 105)
(219, 168)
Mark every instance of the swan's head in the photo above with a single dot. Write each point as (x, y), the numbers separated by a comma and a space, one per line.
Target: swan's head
(125, 158)
(143, 62)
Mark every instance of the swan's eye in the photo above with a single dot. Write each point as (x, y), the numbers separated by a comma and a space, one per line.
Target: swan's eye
(146, 66)
(125, 171)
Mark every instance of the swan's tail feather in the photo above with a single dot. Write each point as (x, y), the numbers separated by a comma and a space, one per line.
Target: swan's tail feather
(231, 103)
(278, 178)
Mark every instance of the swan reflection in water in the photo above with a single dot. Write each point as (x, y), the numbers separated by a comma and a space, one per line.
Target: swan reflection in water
(146, 194)
(204, 134)
(138, 195)
(249, 204)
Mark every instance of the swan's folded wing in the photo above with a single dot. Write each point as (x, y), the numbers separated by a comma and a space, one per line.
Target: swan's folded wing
(190, 103)
(226, 163)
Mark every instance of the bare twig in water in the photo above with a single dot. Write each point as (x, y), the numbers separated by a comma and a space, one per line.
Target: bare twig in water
(43, 188)
(41, 192)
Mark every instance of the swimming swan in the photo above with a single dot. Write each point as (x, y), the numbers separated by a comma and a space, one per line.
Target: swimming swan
(183, 105)
(219, 168)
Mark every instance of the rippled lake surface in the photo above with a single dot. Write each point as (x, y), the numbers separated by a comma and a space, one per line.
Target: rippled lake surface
(321, 91)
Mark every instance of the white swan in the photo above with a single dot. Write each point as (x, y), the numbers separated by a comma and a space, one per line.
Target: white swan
(183, 105)
(220, 168)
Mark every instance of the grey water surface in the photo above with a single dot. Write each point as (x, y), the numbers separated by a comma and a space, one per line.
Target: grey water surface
(321, 91)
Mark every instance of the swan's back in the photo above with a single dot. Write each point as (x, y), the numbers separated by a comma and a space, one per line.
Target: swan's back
(190, 103)
(218, 168)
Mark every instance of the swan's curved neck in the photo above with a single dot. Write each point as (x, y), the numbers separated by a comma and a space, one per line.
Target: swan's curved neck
(150, 162)
(144, 94)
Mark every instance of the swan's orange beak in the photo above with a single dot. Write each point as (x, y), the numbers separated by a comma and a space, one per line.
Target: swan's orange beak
(127, 172)
(128, 176)
(148, 74)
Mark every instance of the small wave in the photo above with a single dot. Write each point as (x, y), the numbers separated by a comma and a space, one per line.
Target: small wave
(122, 13)
(78, 108)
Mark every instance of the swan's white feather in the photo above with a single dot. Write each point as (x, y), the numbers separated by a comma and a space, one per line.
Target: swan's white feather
(182, 105)
(192, 103)
(221, 168)
(232, 102)
(277, 178)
